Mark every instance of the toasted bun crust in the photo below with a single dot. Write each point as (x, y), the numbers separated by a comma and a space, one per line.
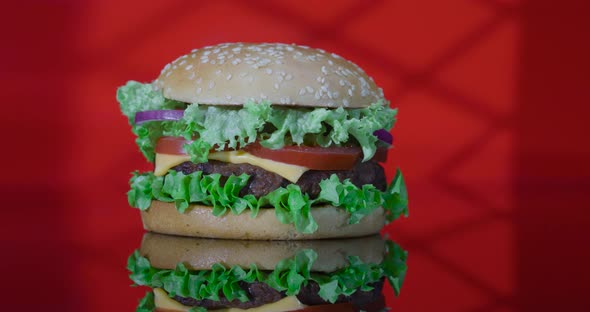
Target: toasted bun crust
(199, 221)
(166, 251)
(233, 73)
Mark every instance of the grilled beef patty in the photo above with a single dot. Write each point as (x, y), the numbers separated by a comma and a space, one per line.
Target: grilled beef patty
(261, 294)
(263, 182)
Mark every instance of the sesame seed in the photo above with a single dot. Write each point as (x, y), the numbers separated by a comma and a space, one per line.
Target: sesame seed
(188, 67)
(228, 97)
(217, 72)
(199, 80)
(211, 84)
(288, 77)
(341, 82)
(228, 77)
(276, 86)
(212, 62)
(182, 62)
(262, 96)
(330, 62)
(199, 90)
(350, 92)
(302, 91)
(191, 76)
(269, 71)
(206, 53)
(324, 70)
(309, 89)
(216, 51)
(243, 74)
(168, 73)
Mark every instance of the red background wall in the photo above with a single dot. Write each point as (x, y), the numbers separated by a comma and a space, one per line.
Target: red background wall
(491, 137)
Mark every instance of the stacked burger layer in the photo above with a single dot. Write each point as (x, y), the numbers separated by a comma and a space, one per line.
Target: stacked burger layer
(269, 153)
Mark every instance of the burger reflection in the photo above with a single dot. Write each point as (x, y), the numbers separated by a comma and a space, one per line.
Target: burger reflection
(196, 274)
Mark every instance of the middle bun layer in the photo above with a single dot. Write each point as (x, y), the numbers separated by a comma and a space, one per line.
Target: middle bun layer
(199, 221)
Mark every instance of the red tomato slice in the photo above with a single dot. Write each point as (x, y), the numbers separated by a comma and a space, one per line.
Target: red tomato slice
(339, 307)
(175, 146)
(316, 158)
(171, 145)
(380, 154)
(375, 306)
(312, 157)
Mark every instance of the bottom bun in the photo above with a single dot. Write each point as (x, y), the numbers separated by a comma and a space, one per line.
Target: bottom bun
(199, 221)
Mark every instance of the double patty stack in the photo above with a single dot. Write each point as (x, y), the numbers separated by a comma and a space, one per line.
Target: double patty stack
(269, 142)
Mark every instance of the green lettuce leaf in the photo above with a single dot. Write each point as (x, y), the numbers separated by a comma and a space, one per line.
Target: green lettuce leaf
(135, 97)
(289, 275)
(274, 126)
(290, 204)
(146, 304)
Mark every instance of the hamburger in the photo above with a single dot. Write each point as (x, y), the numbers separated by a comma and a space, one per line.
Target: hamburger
(198, 274)
(262, 141)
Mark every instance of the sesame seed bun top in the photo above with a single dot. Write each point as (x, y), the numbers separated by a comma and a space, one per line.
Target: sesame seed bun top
(233, 73)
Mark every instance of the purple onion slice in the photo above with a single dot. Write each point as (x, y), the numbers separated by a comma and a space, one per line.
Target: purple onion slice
(153, 115)
(384, 136)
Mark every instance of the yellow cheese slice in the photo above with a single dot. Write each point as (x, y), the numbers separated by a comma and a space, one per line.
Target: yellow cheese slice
(290, 172)
(290, 303)
(164, 162)
(287, 171)
(162, 301)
